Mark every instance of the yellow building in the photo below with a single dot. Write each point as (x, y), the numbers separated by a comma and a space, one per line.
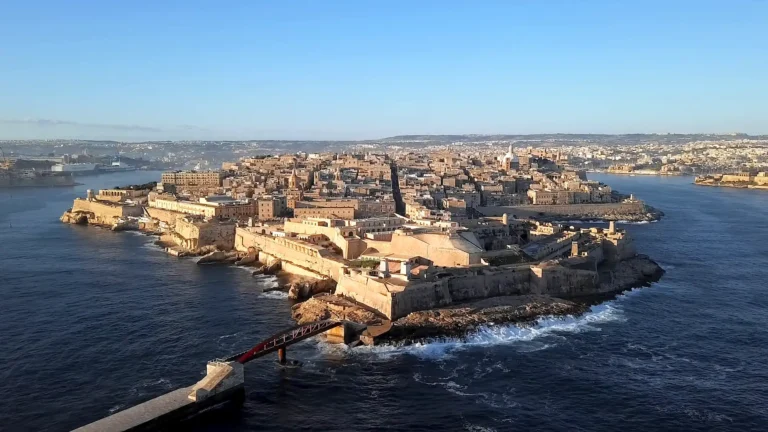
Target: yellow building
(193, 178)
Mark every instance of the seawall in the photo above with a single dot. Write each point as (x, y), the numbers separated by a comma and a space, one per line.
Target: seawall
(609, 211)
(97, 212)
(303, 257)
(460, 285)
(445, 287)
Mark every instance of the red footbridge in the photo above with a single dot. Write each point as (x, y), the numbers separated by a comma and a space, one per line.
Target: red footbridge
(223, 382)
(280, 341)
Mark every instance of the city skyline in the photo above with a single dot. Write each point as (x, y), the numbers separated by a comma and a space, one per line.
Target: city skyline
(345, 71)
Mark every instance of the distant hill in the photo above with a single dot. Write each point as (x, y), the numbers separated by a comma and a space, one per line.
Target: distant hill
(627, 138)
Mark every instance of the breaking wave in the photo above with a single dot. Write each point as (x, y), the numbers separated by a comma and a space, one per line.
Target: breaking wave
(491, 335)
(275, 294)
(601, 221)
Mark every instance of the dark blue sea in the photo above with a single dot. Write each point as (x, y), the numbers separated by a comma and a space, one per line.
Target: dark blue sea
(92, 322)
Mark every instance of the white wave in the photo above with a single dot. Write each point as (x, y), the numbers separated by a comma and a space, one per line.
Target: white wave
(150, 245)
(667, 266)
(275, 294)
(477, 428)
(164, 382)
(600, 221)
(496, 400)
(268, 282)
(491, 335)
(249, 269)
(116, 408)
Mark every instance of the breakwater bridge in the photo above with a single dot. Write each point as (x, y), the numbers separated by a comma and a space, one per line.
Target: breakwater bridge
(223, 382)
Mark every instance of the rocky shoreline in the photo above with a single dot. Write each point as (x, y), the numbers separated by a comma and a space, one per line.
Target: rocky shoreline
(454, 320)
(651, 215)
(458, 320)
(731, 185)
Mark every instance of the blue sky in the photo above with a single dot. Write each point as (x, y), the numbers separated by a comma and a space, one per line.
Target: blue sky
(368, 69)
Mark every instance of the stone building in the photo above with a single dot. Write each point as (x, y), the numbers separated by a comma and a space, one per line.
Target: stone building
(193, 178)
(193, 232)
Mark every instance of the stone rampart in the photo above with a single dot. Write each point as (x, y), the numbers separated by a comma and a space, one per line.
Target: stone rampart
(559, 281)
(573, 210)
(196, 234)
(446, 289)
(167, 216)
(105, 213)
(368, 291)
(305, 255)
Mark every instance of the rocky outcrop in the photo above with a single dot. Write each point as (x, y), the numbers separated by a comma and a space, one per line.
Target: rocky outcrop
(458, 320)
(248, 260)
(126, 225)
(218, 257)
(272, 268)
(76, 218)
(333, 307)
(630, 273)
(302, 290)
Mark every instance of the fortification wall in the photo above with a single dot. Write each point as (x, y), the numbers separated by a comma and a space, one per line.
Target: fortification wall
(558, 281)
(103, 212)
(167, 216)
(196, 235)
(299, 271)
(367, 291)
(441, 293)
(579, 210)
(553, 280)
(280, 249)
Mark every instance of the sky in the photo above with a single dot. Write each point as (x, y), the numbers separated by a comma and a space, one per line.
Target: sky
(369, 69)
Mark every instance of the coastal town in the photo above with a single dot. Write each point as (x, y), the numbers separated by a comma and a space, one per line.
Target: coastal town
(398, 245)
(54, 162)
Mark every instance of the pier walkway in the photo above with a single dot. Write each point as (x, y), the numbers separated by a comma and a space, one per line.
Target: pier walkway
(223, 381)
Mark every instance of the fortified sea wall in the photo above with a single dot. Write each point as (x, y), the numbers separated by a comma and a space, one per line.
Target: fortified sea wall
(300, 256)
(575, 210)
(167, 216)
(103, 212)
(454, 286)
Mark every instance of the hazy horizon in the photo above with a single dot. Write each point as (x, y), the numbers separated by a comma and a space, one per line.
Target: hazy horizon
(75, 138)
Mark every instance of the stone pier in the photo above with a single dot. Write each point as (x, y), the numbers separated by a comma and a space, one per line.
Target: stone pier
(223, 382)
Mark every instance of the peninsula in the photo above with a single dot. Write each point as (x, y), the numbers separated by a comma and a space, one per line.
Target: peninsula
(744, 180)
(400, 245)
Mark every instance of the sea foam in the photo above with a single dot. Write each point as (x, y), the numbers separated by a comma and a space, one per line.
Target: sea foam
(491, 335)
